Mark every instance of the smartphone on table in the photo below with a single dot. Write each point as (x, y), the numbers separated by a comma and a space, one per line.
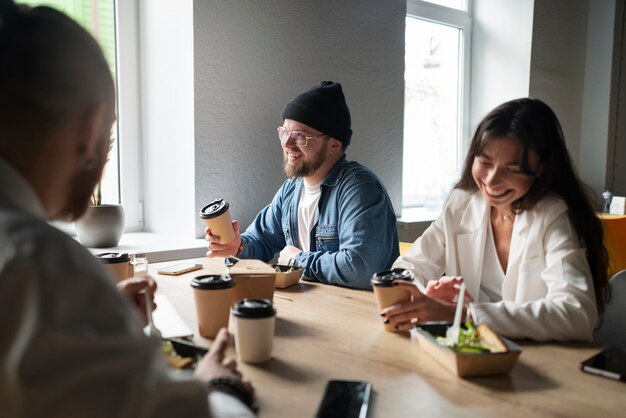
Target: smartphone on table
(179, 268)
(610, 363)
(345, 399)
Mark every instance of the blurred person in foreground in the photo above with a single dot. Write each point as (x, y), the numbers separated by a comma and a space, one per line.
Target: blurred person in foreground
(331, 217)
(520, 230)
(72, 344)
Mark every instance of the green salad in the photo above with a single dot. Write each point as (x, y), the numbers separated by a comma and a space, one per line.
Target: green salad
(469, 341)
(279, 269)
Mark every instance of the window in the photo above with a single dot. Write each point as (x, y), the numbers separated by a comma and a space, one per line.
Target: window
(98, 17)
(437, 43)
(102, 18)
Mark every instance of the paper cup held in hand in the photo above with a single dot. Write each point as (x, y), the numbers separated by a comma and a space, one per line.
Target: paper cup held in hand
(387, 294)
(216, 215)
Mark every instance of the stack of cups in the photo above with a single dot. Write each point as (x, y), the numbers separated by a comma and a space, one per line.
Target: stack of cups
(117, 263)
(217, 217)
(212, 295)
(387, 294)
(254, 322)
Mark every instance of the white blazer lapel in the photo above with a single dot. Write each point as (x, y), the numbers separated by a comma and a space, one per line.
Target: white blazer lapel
(470, 242)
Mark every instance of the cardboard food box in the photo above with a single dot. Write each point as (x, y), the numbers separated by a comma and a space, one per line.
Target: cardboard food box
(465, 364)
(253, 279)
(286, 278)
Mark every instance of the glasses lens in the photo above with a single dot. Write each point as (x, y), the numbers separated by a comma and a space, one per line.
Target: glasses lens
(283, 134)
(298, 137)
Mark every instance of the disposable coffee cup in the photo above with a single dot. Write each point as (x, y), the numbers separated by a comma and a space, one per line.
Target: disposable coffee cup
(217, 217)
(117, 263)
(254, 322)
(387, 294)
(212, 296)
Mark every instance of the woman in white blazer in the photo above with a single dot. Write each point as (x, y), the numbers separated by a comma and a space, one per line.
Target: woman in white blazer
(520, 230)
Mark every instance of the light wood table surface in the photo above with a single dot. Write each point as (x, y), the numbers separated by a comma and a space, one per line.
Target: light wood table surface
(327, 332)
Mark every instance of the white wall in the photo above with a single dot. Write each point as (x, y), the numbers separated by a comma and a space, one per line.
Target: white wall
(166, 74)
(253, 57)
(501, 47)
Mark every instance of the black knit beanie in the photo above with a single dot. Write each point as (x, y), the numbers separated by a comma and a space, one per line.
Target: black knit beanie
(322, 108)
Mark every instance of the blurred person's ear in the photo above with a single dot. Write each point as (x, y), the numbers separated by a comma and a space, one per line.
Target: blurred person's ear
(91, 131)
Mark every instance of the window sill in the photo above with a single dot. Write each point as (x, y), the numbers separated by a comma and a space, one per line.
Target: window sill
(420, 214)
(157, 247)
(414, 221)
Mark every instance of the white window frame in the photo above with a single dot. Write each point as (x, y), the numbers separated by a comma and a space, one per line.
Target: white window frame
(129, 113)
(461, 20)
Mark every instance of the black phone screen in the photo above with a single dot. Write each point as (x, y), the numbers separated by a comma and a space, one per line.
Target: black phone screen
(345, 399)
(610, 363)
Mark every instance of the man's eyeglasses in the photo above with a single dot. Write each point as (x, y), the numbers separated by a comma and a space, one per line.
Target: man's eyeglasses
(299, 138)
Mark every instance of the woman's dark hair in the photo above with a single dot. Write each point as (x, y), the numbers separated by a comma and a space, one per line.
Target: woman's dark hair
(535, 126)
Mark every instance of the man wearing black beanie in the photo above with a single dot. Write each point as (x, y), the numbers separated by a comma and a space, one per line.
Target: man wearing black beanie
(332, 217)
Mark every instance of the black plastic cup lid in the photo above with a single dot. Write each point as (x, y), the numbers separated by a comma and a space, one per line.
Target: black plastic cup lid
(214, 209)
(386, 278)
(253, 308)
(113, 258)
(212, 282)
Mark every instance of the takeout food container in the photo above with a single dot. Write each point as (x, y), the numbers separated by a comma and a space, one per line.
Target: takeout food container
(254, 279)
(286, 278)
(465, 364)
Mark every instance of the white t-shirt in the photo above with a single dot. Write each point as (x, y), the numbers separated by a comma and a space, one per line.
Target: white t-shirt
(308, 214)
(493, 275)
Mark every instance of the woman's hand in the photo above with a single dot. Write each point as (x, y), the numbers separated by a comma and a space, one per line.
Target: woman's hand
(135, 288)
(446, 289)
(421, 308)
(222, 250)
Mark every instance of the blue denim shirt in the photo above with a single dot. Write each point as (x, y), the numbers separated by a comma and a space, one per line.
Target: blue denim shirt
(354, 237)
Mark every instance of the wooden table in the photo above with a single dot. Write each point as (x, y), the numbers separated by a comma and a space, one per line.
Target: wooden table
(327, 332)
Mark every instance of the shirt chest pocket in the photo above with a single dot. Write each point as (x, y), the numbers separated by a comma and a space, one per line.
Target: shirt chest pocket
(286, 231)
(327, 238)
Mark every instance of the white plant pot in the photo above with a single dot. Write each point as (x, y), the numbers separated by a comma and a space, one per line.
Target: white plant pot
(101, 227)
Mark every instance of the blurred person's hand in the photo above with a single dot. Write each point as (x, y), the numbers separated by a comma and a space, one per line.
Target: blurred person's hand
(215, 365)
(134, 289)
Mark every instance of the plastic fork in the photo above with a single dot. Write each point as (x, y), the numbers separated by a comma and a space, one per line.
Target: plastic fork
(150, 330)
(452, 334)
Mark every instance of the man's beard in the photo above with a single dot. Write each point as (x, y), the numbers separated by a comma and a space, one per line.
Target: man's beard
(304, 168)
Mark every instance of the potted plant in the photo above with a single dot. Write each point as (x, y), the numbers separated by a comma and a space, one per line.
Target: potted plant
(103, 224)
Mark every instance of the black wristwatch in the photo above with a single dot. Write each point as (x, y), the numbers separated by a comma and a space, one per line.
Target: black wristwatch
(233, 387)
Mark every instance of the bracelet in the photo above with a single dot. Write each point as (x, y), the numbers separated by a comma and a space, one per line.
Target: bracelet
(232, 387)
(240, 249)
